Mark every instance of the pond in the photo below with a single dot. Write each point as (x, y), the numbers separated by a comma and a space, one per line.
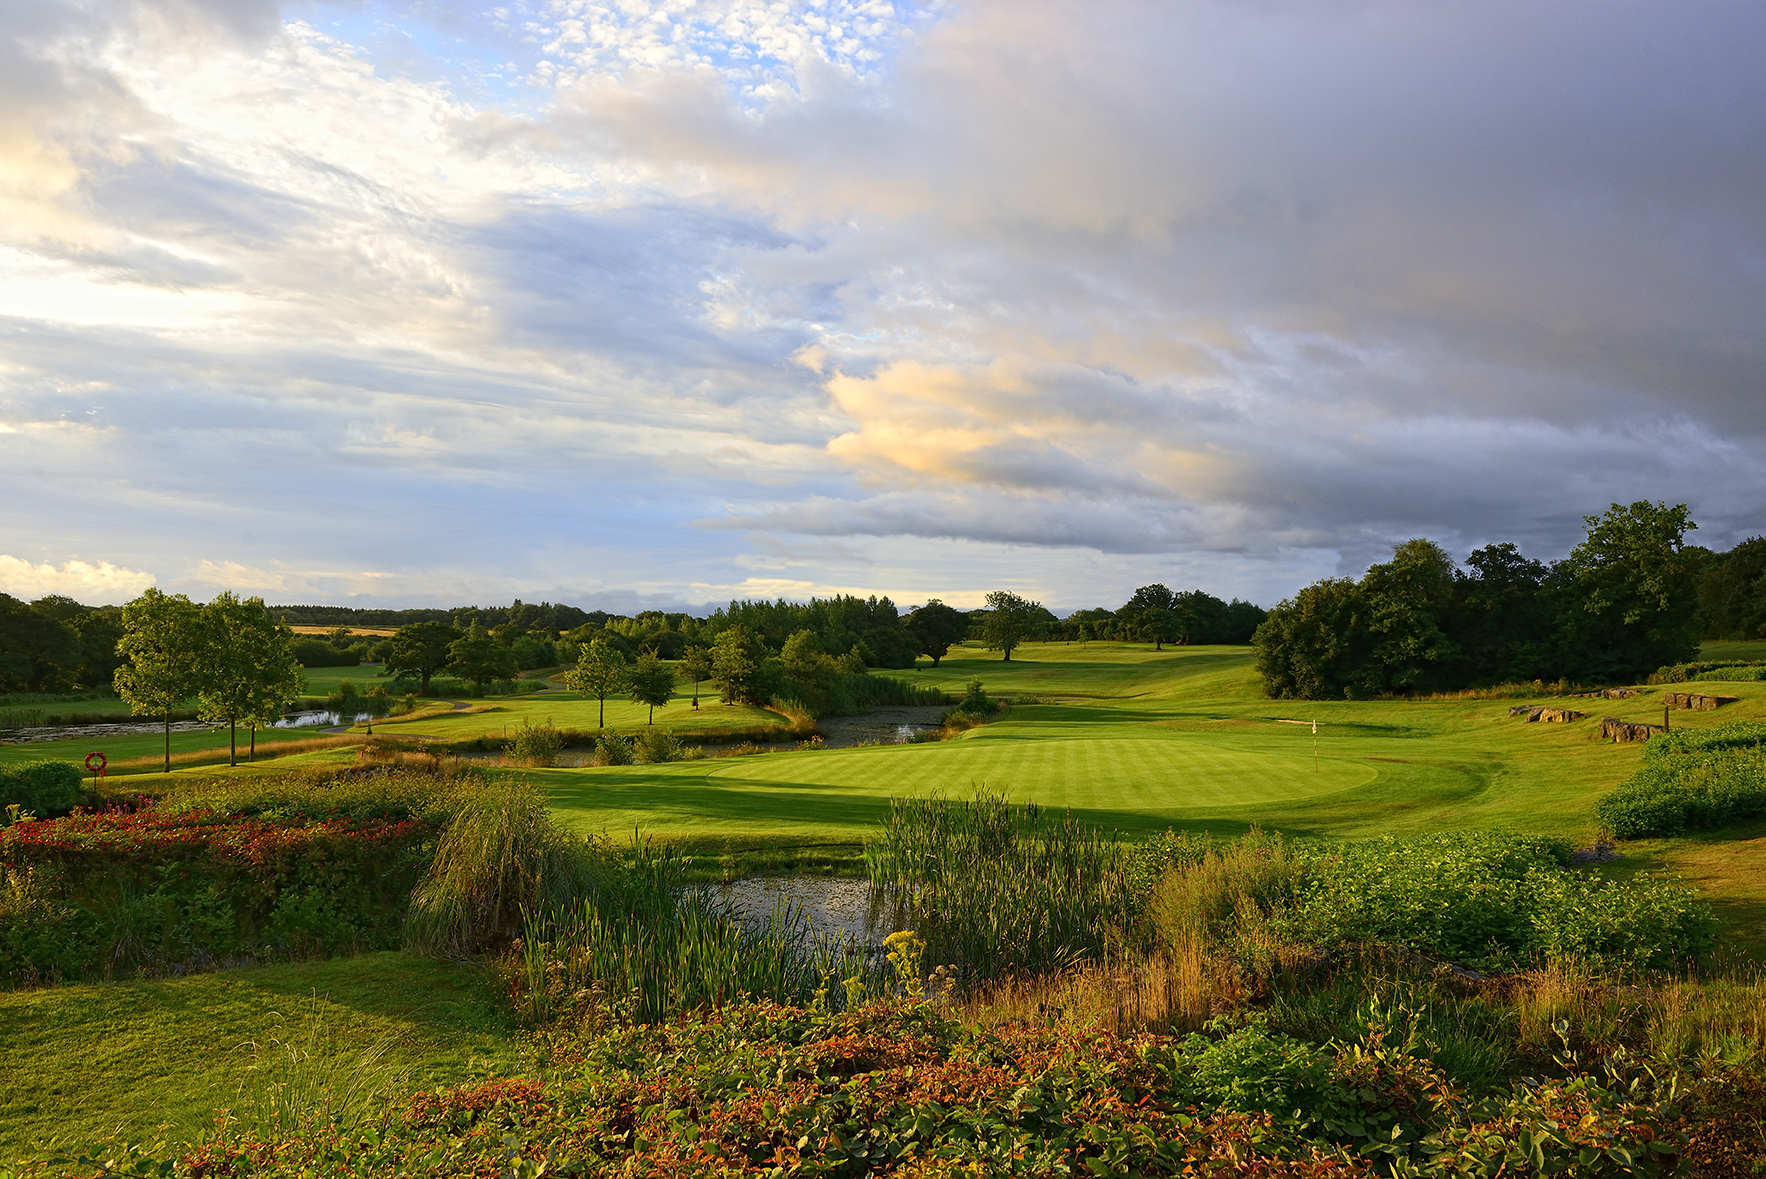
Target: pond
(834, 905)
(317, 718)
(131, 728)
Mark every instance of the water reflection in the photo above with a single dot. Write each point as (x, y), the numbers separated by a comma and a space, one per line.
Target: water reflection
(318, 718)
(837, 906)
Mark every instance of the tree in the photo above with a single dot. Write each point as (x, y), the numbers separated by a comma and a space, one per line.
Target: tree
(1311, 647)
(35, 646)
(162, 642)
(248, 670)
(1408, 600)
(420, 649)
(936, 628)
(736, 659)
(600, 672)
(651, 682)
(1010, 619)
(478, 658)
(1732, 592)
(695, 666)
(1629, 593)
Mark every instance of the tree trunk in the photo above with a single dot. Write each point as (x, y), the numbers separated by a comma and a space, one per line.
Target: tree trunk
(602, 722)
(425, 688)
(168, 739)
(695, 695)
(652, 719)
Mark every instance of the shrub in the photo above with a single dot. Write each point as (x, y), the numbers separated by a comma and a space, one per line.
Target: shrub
(1650, 925)
(613, 749)
(41, 788)
(156, 890)
(1726, 671)
(535, 745)
(1691, 779)
(1484, 899)
(655, 746)
(974, 708)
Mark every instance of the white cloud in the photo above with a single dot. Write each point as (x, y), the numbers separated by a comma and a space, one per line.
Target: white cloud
(100, 584)
(344, 305)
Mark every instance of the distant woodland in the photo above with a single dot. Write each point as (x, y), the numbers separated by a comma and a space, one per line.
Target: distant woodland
(1633, 597)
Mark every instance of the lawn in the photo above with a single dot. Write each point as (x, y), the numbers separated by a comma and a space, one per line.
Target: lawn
(1139, 740)
(83, 1062)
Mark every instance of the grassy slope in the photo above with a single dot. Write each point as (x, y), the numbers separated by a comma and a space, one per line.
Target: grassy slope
(78, 1063)
(1140, 740)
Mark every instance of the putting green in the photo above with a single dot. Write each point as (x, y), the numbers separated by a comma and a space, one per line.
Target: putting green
(1153, 776)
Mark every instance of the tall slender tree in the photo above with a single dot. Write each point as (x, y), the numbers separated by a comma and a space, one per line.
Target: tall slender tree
(162, 644)
(651, 681)
(695, 666)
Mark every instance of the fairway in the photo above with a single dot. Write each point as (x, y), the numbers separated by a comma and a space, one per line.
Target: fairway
(1139, 740)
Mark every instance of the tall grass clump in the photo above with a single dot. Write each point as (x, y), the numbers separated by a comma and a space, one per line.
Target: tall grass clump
(499, 859)
(998, 888)
(1691, 779)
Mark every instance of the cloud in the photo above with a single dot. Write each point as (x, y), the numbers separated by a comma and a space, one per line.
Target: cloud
(100, 584)
(362, 300)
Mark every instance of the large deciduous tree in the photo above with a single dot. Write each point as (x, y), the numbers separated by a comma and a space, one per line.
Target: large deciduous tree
(1630, 590)
(476, 656)
(1010, 620)
(162, 644)
(420, 649)
(248, 670)
(936, 628)
(600, 672)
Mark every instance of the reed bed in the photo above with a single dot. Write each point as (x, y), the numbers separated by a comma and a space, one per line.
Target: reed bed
(999, 889)
(649, 947)
(577, 925)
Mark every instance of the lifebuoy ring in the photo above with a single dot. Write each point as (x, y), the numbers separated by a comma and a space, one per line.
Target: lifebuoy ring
(95, 762)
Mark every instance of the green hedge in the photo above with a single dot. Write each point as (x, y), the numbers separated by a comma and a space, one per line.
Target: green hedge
(1722, 671)
(1692, 778)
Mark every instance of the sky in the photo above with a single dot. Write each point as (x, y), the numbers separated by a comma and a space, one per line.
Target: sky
(640, 304)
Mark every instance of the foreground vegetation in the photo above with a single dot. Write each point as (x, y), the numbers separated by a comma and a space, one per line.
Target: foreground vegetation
(1396, 973)
(1068, 1003)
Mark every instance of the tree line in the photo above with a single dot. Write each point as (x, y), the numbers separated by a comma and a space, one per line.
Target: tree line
(1632, 597)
